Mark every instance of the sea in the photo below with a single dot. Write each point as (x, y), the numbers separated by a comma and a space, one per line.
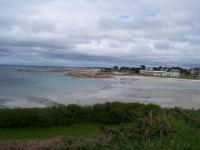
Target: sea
(35, 88)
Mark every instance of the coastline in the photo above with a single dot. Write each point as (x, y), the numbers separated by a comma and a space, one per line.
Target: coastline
(94, 73)
(164, 92)
(167, 92)
(75, 72)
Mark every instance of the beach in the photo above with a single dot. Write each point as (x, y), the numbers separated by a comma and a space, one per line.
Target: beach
(167, 92)
(84, 87)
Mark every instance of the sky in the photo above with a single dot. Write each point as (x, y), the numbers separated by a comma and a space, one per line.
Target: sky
(100, 32)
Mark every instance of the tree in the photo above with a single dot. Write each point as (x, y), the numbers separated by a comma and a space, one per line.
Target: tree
(159, 68)
(115, 68)
(142, 67)
(135, 70)
(124, 69)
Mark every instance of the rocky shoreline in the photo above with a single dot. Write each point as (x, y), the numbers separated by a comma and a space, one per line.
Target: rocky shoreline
(83, 73)
(76, 72)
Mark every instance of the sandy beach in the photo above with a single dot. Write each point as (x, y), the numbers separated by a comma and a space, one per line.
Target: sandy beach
(167, 92)
(162, 91)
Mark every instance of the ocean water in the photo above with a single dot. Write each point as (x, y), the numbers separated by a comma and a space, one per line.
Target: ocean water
(34, 88)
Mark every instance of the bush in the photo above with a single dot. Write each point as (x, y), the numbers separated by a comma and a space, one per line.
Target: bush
(108, 113)
(115, 112)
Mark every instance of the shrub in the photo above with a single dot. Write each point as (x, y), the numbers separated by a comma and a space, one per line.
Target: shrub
(108, 113)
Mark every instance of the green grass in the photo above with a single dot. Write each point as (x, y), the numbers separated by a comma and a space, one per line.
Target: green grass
(185, 137)
(78, 130)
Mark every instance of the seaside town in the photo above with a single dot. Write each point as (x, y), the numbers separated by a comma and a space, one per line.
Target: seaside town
(175, 72)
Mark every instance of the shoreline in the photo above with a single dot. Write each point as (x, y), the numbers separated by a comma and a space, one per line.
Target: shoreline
(75, 72)
(94, 73)
(164, 92)
(127, 89)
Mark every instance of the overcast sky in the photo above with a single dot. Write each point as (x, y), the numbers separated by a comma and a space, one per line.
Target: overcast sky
(100, 32)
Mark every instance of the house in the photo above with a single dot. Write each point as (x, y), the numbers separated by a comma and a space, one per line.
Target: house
(171, 73)
(195, 72)
(153, 73)
(174, 73)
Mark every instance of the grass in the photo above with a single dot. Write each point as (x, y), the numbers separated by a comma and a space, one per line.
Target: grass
(82, 130)
(186, 136)
(77, 130)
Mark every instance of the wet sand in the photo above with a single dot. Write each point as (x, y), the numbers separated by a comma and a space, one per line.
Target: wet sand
(167, 92)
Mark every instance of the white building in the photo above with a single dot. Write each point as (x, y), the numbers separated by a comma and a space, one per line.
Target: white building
(171, 73)
(174, 73)
(195, 72)
(154, 73)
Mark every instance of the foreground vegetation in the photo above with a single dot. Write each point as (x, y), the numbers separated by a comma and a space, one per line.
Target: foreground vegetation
(76, 130)
(109, 113)
(115, 125)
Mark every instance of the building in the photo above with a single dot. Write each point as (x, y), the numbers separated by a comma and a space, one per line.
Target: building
(195, 72)
(171, 73)
(154, 73)
(174, 73)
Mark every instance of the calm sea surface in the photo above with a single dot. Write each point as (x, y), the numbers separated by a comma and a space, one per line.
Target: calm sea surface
(16, 85)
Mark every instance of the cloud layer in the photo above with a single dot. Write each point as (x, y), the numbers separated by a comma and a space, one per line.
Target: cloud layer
(98, 33)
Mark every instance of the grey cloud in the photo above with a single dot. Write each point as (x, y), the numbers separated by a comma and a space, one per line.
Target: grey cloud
(163, 45)
(130, 24)
(104, 32)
